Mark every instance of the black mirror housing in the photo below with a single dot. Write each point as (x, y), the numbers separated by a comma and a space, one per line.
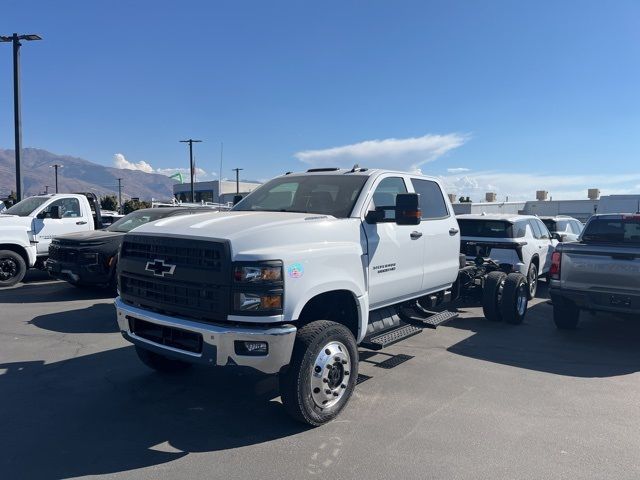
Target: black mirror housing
(236, 199)
(408, 209)
(55, 212)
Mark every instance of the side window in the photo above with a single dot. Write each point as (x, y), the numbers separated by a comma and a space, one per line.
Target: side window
(519, 229)
(577, 227)
(562, 226)
(70, 207)
(385, 195)
(544, 232)
(431, 200)
(535, 228)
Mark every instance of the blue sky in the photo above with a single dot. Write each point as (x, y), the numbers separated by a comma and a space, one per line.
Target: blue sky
(512, 96)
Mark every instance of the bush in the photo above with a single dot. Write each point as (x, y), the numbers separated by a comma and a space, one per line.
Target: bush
(133, 205)
(109, 202)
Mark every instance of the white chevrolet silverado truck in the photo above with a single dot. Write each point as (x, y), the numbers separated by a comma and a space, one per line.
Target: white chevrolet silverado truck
(26, 230)
(293, 278)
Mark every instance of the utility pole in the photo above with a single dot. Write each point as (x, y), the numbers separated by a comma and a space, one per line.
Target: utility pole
(191, 141)
(17, 121)
(237, 170)
(120, 195)
(56, 167)
(46, 189)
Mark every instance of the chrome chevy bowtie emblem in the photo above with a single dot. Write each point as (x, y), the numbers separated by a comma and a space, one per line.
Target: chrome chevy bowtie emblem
(159, 268)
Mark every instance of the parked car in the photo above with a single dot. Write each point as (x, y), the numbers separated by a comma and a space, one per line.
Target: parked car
(563, 228)
(26, 229)
(296, 276)
(90, 258)
(600, 272)
(521, 243)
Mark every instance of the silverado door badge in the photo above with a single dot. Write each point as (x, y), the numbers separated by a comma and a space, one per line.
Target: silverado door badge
(159, 268)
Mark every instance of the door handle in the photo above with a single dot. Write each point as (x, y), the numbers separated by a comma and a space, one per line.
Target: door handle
(81, 223)
(416, 235)
(453, 231)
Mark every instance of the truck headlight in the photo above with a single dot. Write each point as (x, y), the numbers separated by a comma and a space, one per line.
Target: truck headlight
(263, 272)
(257, 301)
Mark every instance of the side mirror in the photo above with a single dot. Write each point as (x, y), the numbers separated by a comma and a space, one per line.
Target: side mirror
(236, 199)
(408, 209)
(55, 211)
(559, 237)
(375, 216)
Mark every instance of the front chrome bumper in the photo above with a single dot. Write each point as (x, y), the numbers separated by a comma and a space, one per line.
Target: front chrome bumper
(218, 341)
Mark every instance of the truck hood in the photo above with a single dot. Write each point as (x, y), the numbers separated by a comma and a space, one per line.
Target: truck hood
(261, 234)
(228, 225)
(15, 221)
(90, 236)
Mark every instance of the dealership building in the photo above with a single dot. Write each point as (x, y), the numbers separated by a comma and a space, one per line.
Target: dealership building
(214, 191)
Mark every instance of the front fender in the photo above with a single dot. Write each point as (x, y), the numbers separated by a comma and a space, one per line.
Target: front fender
(18, 236)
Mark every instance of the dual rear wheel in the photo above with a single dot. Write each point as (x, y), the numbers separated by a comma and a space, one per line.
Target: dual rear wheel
(505, 297)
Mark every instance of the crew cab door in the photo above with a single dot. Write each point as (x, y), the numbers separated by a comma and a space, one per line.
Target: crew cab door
(441, 235)
(73, 220)
(395, 252)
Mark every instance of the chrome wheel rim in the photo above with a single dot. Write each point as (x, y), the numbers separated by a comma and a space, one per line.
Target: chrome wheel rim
(533, 280)
(522, 300)
(330, 374)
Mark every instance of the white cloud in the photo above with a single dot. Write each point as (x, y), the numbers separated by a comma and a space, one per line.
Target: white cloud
(523, 186)
(398, 153)
(119, 161)
(458, 170)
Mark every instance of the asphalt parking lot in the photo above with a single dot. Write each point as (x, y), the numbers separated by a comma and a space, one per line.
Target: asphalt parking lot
(476, 400)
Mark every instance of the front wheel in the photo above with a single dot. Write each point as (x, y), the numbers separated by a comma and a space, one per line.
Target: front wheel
(12, 268)
(515, 299)
(323, 372)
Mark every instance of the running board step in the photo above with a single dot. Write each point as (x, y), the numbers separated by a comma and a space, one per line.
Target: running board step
(424, 319)
(379, 341)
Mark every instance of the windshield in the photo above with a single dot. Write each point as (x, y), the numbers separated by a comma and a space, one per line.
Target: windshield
(140, 217)
(624, 230)
(323, 194)
(26, 206)
(486, 228)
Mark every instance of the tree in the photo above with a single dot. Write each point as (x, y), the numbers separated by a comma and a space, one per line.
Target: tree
(464, 200)
(133, 205)
(109, 202)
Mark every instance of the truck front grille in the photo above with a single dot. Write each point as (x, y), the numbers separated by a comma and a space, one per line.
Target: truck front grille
(69, 255)
(194, 283)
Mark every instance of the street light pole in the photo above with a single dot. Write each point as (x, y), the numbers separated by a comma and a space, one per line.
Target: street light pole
(17, 120)
(120, 195)
(191, 141)
(237, 170)
(56, 167)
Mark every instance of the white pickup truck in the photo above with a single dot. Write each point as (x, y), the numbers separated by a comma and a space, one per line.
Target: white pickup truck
(292, 279)
(26, 229)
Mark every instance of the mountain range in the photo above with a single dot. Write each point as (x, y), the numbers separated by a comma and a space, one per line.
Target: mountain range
(78, 175)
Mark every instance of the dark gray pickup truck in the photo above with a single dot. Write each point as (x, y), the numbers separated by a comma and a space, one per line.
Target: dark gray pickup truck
(600, 272)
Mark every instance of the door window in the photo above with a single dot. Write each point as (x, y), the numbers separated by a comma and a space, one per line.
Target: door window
(385, 195)
(544, 232)
(431, 200)
(535, 229)
(69, 208)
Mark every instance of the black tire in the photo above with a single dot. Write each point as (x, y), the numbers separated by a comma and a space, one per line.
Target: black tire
(565, 314)
(532, 280)
(491, 293)
(296, 379)
(515, 298)
(12, 268)
(160, 363)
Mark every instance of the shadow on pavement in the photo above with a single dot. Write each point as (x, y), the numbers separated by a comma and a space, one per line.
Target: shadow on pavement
(98, 318)
(106, 413)
(602, 346)
(50, 291)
